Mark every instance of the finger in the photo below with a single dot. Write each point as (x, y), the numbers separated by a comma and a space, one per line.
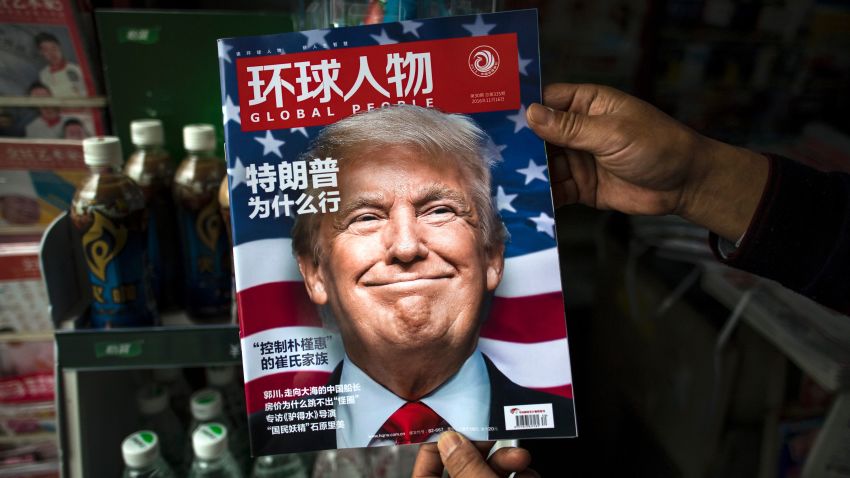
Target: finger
(559, 167)
(484, 447)
(578, 98)
(505, 461)
(582, 168)
(568, 96)
(568, 129)
(565, 193)
(461, 458)
(428, 463)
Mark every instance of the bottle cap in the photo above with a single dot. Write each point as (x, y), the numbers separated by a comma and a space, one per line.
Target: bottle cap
(206, 404)
(199, 137)
(152, 399)
(146, 132)
(219, 376)
(102, 151)
(140, 449)
(210, 441)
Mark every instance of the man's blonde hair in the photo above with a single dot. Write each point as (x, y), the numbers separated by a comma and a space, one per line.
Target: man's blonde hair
(436, 134)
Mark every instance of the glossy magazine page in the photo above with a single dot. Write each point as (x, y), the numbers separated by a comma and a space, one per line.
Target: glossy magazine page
(395, 255)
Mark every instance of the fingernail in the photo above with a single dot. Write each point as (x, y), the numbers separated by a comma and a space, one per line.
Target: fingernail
(540, 114)
(448, 442)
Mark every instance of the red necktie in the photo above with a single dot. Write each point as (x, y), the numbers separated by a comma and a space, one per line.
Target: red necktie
(413, 422)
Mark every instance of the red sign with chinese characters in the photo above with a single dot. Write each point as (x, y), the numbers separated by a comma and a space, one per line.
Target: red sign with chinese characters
(41, 155)
(469, 75)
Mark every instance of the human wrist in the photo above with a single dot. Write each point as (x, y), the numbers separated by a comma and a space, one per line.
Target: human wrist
(724, 188)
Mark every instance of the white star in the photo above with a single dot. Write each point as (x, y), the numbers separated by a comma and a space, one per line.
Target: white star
(230, 111)
(503, 201)
(533, 171)
(479, 28)
(523, 64)
(236, 173)
(383, 39)
(315, 37)
(519, 119)
(224, 51)
(409, 26)
(544, 223)
(301, 130)
(271, 145)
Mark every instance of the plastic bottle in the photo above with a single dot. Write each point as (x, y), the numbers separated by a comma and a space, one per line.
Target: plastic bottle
(233, 400)
(108, 211)
(157, 415)
(391, 461)
(206, 260)
(179, 391)
(224, 208)
(224, 380)
(141, 456)
(279, 466)
(207, 406)
(212, 456)
(344, 463)
(151, 168)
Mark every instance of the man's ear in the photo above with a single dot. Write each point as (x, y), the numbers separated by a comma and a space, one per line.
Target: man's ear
(495, 266)
(313, 280)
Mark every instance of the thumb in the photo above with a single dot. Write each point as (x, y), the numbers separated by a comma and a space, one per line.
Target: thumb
(461, 458)
(566, 128)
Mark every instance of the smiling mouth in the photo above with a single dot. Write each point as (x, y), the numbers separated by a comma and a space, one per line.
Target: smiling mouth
(407, 281)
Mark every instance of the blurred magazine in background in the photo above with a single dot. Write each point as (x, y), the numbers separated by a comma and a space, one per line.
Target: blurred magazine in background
(47, 63)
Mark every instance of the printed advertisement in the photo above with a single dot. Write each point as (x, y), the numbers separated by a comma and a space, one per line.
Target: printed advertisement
(44, 57)
(395, 252)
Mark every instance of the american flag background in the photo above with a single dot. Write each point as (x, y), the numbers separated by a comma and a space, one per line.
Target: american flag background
(525, 334)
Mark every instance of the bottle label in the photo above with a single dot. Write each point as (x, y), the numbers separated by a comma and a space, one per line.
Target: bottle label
(118, 273)
(207, 274)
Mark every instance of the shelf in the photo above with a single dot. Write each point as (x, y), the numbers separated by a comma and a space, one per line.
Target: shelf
(812, 336)
(27, 438)
(150, 347)
(26, 337)
(36, 101)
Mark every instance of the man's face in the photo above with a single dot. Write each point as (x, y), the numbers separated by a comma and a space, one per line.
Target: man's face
(51, 52)
(74, 131)
(403, 267)
(48, 112)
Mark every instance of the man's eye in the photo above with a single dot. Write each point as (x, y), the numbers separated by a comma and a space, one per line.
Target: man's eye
(441, 210)
(365, 218)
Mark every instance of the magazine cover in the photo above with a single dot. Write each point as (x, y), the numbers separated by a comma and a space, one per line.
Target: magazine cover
(394, 243)
(43, 56)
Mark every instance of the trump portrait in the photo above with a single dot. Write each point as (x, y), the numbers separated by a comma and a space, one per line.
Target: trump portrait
(405, 272)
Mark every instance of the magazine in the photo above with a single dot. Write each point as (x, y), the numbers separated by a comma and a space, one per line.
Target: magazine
(45, 59)
(396, 263)
(38, 178)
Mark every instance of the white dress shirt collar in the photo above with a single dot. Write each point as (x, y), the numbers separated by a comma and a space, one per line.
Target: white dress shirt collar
(463, 401)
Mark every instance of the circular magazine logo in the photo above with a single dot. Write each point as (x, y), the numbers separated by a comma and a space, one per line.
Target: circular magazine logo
(484, 61)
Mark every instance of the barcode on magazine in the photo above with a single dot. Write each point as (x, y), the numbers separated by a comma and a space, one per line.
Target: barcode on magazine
(529, 417)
